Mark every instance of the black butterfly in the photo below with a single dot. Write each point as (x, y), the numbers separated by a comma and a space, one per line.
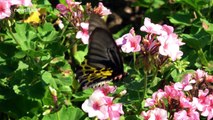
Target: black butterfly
(103, 62)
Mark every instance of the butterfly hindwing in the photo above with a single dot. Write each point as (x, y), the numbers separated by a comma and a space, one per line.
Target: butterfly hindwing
(89, 76)
(103, 61)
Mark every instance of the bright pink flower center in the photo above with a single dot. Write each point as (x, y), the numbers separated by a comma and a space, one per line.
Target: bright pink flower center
(2, 8)
(96, 106)
(165, 46)
(85, 31)
(133, 44)
(157, 117)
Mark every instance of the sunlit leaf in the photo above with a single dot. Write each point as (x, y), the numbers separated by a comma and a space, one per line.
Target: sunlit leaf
(65, 113)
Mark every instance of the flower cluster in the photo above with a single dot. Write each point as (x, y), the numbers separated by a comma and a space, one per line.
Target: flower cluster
(74, 13)
(183, 100)
(155, 48)
(101, 106)
(5, 6)
(102, 10)
(164, 34)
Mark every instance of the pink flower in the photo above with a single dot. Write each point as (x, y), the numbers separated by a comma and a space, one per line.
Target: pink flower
(129, 42)
(190, 107)
(72, 3)
(166, 30)
(169, 42)
(208, 109)
(106, 89)
(185, 84)
(114, 110)
(146, 115)
(171, 92)
(95, 105)
(205, 103)
(102, 106)
(4, 9)
(156, 97)
(62, 8)
(156, 114)
(150, 102)
(209, 78)
(170, 46)
(199, 74)
(193, 114)
(83, 34)
(185, 103)
(102, 10)
(21, 2)
(184, 115)
(181, 115)
(151, 27)
(201, 100)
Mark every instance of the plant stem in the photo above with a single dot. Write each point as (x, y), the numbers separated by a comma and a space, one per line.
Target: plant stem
(134, 58)
(145, 86)
(11, 33)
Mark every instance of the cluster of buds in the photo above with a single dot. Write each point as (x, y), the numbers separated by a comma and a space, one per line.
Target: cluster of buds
(77, 16)
(73, 12)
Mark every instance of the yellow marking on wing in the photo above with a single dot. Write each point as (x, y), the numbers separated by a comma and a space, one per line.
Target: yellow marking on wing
(92, 73)
(106, 73)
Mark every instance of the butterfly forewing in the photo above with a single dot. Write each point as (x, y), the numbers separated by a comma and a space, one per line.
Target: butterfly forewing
(96, 22)
(103, 61)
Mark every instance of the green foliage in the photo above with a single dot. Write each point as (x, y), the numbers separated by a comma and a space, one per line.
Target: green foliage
(65, 113)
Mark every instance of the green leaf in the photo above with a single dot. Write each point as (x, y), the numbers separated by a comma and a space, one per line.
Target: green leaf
(48, 79)
(196, 4)
(24, 36)
(208, 27)
(178, 77)
(181, 19)
(65, 113)
(20, 55)
(47, 32)
(22, 65)
(17, 106)
(5, 52)
(209, 67)
(149, 3)
(79, 56)
(81, 96)
(202, 57)
(62, 1)
(197, 40)
(43, 2)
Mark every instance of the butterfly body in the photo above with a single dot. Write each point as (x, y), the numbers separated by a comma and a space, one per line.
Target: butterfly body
(103, 62)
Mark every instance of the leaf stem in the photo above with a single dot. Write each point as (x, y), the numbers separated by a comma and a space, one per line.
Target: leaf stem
(145, 86)
(12, 35)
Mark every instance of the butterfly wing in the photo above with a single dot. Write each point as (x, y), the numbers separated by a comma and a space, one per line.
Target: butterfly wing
(103, 61)
(96, 22)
